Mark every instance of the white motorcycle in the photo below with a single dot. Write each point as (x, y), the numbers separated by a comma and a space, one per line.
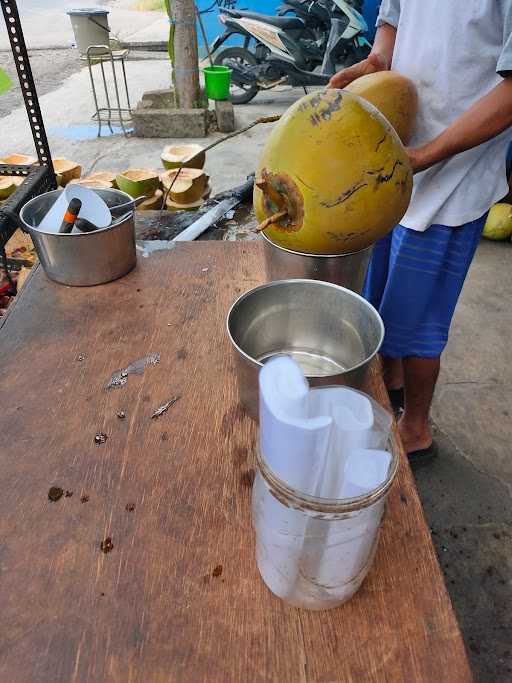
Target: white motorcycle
(299, 51)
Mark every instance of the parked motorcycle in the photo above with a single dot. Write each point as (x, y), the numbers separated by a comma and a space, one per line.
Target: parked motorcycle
(299, 50)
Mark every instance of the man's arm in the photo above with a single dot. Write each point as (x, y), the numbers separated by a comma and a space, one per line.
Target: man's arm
(486, 119)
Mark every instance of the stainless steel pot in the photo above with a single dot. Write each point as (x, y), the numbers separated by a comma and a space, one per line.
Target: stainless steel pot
(345, 270)
(331, 332)
(83, 259)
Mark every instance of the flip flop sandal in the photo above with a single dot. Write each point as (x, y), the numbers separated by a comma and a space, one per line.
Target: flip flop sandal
(423, 456)
(397, 399)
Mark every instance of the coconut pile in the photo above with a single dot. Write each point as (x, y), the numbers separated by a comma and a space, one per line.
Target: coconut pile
(185, 189)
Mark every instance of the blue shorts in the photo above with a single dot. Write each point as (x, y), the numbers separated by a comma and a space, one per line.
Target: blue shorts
(414, 280)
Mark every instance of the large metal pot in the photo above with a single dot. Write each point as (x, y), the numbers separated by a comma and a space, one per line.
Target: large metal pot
(345, 270)
(331, 332)
(88, 258)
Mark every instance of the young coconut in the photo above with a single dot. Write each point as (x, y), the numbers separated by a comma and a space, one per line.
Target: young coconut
(394, 96)
(176, 206)
(7, 187)
(333, 177)
(207, 192)
(66, 171)
(188, 156)
(154, 203)
(16, 179)
(138, 181)
(18, 160)
(91, 182)
(188, 187)
(104, 176)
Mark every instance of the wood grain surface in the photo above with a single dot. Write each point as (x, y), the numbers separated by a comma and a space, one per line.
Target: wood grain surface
(178, 598)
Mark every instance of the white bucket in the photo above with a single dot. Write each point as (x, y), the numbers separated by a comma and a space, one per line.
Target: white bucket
(90, 26)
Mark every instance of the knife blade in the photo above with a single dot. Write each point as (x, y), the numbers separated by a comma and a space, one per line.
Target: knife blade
(216, 213)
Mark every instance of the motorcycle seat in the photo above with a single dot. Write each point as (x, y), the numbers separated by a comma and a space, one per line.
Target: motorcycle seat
(283, 23)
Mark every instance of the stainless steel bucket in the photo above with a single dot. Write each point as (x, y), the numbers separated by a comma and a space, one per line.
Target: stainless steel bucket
(83, 259)
(345, 270)
(331, 332)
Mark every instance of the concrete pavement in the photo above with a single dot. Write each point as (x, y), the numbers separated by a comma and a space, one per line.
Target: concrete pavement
(67, 114)
(467, 491)
(46, 24)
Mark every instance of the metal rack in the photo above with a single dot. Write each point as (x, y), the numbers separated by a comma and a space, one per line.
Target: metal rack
(112, 113)
(40, 178)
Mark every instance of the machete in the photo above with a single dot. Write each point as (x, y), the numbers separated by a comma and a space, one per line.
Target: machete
(241, 194)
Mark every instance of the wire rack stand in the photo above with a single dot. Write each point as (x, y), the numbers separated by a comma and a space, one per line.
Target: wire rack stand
(114, 112)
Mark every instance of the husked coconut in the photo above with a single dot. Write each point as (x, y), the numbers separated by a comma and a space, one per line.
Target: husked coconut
(18, 160)
(138, 182)
(7, 187)
(154, 203)
(188, 156)
(66, 170)
(187, 185)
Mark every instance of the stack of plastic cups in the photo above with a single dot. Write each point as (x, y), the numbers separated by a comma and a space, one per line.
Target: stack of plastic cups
(320, 491)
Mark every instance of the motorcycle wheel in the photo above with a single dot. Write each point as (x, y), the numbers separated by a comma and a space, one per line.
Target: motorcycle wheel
(241, 93)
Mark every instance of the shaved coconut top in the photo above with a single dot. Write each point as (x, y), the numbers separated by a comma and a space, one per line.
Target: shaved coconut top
(18, 160)
(181, 152)
(139, 174)
(16, 179)
(61, 165)
(186, 177)
(105, 176)
(92, 182)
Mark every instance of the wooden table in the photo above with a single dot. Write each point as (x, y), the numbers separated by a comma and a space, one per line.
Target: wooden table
(178, 598)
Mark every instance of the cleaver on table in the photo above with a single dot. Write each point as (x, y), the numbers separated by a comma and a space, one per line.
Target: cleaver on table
(241, 194)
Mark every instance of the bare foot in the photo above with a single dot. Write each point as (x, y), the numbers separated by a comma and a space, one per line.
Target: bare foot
(414, 437)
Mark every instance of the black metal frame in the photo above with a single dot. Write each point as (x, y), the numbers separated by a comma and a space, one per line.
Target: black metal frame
(40, 178)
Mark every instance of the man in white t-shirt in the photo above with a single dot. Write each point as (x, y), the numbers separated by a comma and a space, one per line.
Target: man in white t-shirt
(459, 55)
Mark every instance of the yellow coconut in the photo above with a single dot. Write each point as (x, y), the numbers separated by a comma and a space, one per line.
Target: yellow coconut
(394, 96)
(18, 160)
(333, 177)
(138, 181)
(91, 182)
(66, 170)
(188, 184)
(7, 187)
(189, 156)
(154, 203)
(499, 223)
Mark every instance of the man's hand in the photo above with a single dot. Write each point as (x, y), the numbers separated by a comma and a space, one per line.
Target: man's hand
(370, 65)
